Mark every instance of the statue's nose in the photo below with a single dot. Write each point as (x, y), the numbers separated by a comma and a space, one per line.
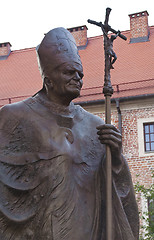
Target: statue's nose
(77, 76)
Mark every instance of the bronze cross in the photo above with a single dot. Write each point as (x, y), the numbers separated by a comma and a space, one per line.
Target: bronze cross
(110, 58)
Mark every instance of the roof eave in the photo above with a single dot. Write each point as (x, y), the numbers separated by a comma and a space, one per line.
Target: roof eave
(121, 99)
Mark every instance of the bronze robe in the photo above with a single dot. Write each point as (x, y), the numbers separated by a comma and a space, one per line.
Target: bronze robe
(52, 176)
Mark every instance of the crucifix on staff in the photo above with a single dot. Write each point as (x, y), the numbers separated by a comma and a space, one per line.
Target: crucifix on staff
(110, 58)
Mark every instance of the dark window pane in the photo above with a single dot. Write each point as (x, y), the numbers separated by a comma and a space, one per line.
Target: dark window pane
(147, 146)
(152, 146)
(146, 128)
(147, 138)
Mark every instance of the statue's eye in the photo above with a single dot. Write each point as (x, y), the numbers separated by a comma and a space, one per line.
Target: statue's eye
(69, 72)
(81, 75)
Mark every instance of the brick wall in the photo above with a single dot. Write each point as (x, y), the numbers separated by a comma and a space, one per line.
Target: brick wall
(80, 35)
(141, 166)
(139, 25)
(5, 49)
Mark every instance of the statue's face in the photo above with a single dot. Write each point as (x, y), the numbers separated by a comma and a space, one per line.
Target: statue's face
(66, 80)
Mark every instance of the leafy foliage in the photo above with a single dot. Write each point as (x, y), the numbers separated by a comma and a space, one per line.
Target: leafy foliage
(148, 216)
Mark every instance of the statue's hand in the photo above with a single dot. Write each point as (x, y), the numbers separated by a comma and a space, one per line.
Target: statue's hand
(110, 135)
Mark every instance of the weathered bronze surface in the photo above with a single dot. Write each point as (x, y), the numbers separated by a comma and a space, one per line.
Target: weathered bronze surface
(52, 173)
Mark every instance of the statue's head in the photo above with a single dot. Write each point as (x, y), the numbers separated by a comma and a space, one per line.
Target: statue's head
(60, 64)
(57, 47)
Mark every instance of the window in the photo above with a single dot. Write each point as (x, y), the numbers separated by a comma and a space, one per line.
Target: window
(149, 136)
(145, 130)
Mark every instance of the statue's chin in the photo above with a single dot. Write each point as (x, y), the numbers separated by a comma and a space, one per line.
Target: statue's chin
(75, 95)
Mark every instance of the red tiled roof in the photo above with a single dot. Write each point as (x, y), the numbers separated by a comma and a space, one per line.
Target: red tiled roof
(19, 76)
(133, 74)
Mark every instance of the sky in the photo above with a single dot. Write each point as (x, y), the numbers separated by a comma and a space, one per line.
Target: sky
(24, 22)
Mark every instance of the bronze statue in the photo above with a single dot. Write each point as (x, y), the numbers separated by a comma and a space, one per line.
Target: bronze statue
(52, 174)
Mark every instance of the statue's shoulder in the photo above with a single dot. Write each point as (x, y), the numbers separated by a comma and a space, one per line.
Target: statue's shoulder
(13, 114)
(89, 117)
(14, 109)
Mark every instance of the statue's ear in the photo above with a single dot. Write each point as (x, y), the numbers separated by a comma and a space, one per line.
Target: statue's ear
(48, 83)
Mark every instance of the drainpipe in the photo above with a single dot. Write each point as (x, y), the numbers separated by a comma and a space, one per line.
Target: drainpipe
(119, 115)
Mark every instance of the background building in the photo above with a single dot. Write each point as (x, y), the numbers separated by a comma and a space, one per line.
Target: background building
(132, 81)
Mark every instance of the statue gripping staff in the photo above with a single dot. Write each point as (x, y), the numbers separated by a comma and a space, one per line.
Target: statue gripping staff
(52, 173)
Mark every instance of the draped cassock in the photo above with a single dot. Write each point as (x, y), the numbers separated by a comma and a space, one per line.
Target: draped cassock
(52, 176)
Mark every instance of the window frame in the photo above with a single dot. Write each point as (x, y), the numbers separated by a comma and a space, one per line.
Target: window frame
(140, 131)
(149, 133)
